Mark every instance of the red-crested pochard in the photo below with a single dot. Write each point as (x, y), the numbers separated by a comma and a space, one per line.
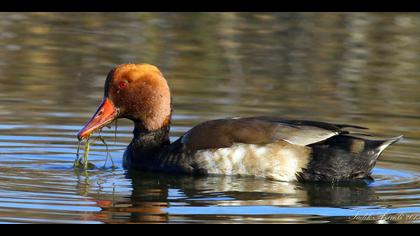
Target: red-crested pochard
(273, 148)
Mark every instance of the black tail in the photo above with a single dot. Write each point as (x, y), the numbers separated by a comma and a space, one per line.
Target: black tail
(343, 158)
(380, 145)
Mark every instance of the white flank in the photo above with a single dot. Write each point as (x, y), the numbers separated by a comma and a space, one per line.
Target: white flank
(274, 161)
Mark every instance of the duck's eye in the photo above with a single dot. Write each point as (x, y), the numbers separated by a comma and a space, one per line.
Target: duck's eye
(122, 84)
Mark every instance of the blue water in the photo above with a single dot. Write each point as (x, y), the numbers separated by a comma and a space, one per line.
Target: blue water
(358, 68)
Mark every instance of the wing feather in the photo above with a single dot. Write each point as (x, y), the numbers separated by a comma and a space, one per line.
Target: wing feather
(260, 130)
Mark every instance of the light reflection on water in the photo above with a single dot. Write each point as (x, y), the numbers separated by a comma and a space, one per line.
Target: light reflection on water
(353, 68)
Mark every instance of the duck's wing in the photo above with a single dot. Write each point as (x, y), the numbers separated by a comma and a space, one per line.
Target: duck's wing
(260, 130)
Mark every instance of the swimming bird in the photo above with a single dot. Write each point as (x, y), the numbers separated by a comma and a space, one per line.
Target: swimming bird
(267, 147)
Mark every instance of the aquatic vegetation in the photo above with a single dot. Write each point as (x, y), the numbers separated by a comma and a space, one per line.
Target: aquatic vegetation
(108, 154)
(83, 163)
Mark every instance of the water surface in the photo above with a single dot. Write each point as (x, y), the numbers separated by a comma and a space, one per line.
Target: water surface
(356, 68)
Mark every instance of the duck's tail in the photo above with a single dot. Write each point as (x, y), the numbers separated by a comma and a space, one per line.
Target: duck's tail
(345, 157)
(380, 145)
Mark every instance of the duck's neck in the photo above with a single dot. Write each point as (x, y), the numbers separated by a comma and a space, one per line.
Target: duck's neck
(146, 147)
(145, 141)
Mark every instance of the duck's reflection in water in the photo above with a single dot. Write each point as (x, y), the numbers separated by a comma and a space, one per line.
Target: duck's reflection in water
(154, 194)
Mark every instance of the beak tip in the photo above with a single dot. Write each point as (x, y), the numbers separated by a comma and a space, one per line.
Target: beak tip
(79, 136)
(105, 114)
(82, 134)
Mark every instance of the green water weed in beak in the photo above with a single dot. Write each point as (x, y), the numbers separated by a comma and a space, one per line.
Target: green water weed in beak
(84, 163)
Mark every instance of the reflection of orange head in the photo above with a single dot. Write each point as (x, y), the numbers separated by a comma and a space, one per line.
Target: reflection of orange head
(104, 203)
(142, 212)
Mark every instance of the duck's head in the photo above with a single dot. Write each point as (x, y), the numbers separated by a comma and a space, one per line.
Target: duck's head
(138, 92)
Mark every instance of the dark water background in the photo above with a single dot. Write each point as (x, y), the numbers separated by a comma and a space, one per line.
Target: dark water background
(358, 68)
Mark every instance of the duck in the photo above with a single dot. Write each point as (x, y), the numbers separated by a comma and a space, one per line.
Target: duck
(260, 146)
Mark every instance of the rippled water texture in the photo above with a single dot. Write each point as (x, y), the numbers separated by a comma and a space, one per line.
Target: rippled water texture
(357, 68)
